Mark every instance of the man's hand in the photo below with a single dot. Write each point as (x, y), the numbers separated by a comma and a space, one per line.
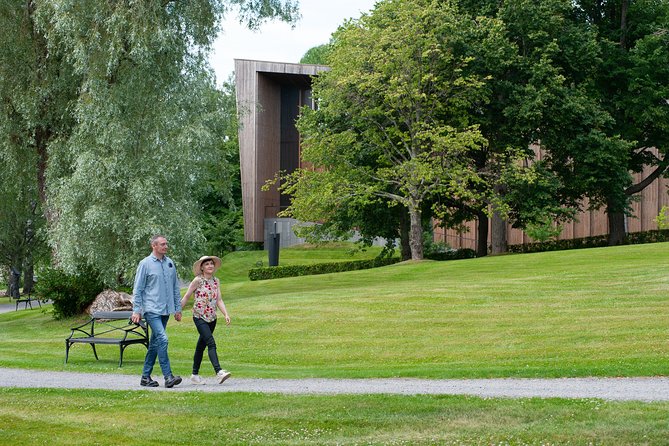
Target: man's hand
(136, 317)
(177, 316)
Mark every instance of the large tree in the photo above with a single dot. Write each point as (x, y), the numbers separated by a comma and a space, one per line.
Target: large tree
(220, 192)
(392, 121)
(633, 88)
(115, 103)
(21, 223)
(533, 70)
(591, 88)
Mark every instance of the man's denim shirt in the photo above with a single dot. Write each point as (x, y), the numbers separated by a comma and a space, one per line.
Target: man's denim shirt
(156, 287)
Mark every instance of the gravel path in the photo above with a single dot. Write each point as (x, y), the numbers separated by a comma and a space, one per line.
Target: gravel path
(622, 389)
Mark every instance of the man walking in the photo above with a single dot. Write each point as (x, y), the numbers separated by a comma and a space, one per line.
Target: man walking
(156, 296)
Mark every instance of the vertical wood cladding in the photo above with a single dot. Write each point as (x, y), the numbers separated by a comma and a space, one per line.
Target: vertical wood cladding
(268, 99)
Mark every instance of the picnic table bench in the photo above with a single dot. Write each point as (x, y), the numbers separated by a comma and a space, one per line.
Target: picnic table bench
(109, 328)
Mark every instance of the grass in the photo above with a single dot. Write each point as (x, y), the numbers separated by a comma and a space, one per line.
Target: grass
(236, 265)
(596, 312)
(84, 417)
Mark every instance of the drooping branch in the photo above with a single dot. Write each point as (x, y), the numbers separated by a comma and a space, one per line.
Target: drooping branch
(659, 170)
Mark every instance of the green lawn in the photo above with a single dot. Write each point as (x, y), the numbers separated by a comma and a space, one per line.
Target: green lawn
(597, 312)
(236, 265)
(85, 417)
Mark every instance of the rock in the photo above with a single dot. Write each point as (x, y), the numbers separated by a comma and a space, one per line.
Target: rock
(110, 300)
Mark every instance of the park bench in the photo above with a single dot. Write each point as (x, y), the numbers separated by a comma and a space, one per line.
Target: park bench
(109, 328)
(27, 300)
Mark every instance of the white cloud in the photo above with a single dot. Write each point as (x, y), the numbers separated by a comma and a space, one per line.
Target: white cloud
(277, 41)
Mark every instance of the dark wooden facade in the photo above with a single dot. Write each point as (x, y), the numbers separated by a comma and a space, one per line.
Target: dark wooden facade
(269, 96)
(587, 223)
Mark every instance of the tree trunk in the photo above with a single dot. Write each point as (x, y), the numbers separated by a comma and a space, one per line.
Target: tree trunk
(7, 273)
(482, 235)
(616, 227)
(14, 283)
(405, 246)
(498, 234)
(28, 272)
(416, 233)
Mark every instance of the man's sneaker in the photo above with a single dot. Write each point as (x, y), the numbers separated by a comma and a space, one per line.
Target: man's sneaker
(222, 375)
(171, 381)
(146, 381)
(197, 380)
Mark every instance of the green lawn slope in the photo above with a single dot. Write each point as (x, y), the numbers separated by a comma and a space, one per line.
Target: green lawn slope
(601, 312)
(595, 312)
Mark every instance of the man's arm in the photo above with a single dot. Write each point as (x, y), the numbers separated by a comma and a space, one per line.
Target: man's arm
(177, 296)
(138, 293)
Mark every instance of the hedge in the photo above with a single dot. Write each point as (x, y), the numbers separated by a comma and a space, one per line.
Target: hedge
(633, 238)
(455, 254)
(276, 272)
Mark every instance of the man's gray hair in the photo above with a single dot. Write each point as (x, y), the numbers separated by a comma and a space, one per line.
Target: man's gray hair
(156, 237)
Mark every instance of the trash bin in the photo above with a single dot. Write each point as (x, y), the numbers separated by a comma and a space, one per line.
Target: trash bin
(274, 242)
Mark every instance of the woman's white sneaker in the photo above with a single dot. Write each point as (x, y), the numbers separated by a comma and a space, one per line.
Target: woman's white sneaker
(197, 380)
(222, 375)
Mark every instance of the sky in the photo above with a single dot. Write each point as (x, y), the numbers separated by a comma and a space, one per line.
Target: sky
(277, 41)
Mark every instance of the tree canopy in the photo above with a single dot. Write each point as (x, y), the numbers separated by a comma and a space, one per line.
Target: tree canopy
(594, 94)
(393, 120)
(584, 82)
(116, 105)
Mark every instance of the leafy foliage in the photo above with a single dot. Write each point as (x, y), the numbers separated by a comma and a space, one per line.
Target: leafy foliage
(116, 108)
(633, 238)
(219, 189)
(70, 293)
(392, 126)
(609, 117)
(317, 55)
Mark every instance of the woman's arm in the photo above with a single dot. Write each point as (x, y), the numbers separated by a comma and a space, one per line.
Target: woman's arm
(191, 289)
(221, 305)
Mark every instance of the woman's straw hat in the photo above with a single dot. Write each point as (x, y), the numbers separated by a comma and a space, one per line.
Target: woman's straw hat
(197, 265)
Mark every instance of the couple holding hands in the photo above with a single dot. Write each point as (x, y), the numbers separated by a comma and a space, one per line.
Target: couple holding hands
(156, 296)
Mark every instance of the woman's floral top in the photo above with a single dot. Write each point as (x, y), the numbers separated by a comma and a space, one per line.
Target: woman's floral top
(204, 306)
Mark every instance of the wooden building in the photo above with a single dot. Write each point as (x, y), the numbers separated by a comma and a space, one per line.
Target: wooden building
(269, 97)
(645, 209)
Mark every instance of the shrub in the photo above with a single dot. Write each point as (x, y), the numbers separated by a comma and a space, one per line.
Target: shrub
(276, 272)
(453, 254)
(633, 238)
(558, 245)
(655, 236)
(70, 294)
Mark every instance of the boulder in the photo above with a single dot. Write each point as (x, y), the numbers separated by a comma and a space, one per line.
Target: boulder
(110, 300)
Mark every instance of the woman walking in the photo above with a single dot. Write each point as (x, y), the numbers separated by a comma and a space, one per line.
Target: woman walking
(207, 297)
